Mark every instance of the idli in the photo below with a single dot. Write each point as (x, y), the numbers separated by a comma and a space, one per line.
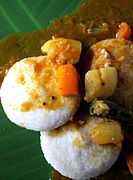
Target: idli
(30, 98)
(115, 53)
(80, 150)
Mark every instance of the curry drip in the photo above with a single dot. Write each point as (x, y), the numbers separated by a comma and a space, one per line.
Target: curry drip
(43, 79)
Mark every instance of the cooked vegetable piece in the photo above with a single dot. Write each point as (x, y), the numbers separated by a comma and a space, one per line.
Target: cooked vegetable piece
(109, 109)
(129, 160)
(63, 50)
(100, 83)
(67, 77)
(104, 108)
(106, 132)
(124, 31)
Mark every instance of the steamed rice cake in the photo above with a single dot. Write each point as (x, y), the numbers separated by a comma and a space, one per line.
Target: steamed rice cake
(71, 151)
(29, 95)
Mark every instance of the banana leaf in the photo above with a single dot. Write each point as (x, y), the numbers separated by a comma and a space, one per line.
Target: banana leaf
(20, 152)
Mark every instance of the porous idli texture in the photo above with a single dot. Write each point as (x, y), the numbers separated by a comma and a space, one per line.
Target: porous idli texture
(29, 95)
(71, 151)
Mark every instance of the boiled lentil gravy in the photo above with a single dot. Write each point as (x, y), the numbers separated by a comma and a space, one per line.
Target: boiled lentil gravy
(92, 21)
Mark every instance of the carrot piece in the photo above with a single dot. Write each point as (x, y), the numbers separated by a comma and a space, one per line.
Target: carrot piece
(129, 160)
(124, 31)
(67, 78)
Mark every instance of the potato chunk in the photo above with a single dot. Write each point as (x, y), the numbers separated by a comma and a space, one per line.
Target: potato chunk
(106, 132)
(63, 50)
(100, 83)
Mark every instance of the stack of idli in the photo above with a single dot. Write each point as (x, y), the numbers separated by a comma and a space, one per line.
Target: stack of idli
(30, 99)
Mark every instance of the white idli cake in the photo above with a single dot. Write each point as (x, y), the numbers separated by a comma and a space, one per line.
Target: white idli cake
(83, 150)
(36, 93)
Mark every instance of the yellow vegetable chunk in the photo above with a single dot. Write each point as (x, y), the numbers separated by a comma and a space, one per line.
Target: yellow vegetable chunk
(62, 50)
(106, 132)
(100, 83)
